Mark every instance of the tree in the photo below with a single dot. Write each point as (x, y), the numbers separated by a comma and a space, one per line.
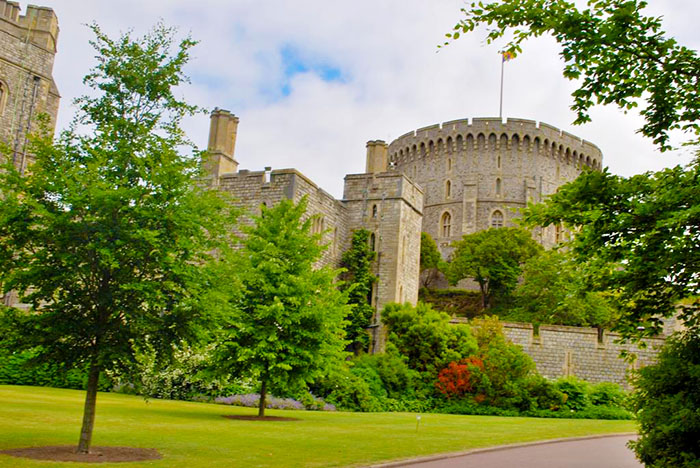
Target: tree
(430, 259)
(493, 258)
(618, 55)
(286, 325)
(667, 402)
(108, 235)
(638, 237)
(552, 292)
(358, 281)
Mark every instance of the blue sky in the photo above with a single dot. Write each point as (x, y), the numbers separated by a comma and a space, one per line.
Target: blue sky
(313, 80)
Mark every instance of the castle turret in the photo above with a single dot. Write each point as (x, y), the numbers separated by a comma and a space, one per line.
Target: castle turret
(222, 143)
(377, 157)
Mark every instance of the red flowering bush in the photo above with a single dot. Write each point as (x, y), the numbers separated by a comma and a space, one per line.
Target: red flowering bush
(456, 379)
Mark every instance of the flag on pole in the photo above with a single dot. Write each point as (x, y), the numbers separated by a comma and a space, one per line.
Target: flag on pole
(507, 56)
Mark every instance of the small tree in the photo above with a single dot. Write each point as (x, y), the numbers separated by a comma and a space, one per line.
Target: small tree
(430, 259)
(108, 235)
(493, 258)
(552, 291)
(358, 281)
(286, 324)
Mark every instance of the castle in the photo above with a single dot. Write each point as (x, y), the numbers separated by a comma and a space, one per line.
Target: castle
(447, 179)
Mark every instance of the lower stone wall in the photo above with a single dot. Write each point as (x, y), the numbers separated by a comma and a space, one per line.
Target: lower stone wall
(560, 351)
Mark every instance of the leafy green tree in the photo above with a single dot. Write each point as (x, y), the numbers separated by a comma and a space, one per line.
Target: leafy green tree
(667, 401)
(552, 292)
(430, 259)
(493, 258)
(638, 237)
(286, 325)
(358, 280)
(426, 338)
(616, 53)
(108, 235)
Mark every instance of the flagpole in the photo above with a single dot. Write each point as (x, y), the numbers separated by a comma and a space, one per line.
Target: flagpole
(500, 107)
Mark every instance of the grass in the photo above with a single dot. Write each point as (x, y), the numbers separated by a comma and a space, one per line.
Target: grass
(196, 435)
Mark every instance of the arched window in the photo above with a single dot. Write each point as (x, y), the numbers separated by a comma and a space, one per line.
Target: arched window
(372, 242)
(497, 219)
(449, 164)
(498, 187)
(374, 211)
(446, 224)
(448, 189)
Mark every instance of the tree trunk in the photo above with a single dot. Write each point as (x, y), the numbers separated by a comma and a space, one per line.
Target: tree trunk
(263, 397)
(89, 411)
(484, 295)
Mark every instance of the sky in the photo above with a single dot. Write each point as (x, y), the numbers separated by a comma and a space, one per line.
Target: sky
(313, 80)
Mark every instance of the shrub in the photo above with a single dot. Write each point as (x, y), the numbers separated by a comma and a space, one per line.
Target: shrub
(576, 392)
(607, 394)
(347, 391)
(251, 400)
(457, 378)
(19, 368)
(426, 338)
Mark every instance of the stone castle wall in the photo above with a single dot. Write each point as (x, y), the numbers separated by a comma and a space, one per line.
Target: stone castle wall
(560, 351)
(27, 89)
(476, 174)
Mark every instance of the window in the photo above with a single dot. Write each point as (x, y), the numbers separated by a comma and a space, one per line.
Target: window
(317, 225)
(373, 242)
(499, 161)
(497, 219)
(498, 187)
(449, 164)
(374, 211)
(448, 189)
(446, 224)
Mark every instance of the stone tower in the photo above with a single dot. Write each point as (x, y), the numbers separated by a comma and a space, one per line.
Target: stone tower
(27, 88)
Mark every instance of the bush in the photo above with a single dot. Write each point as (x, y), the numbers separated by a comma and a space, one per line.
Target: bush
(667, 401)
(398, 381)
(252, 400)
(607, 394)
(576, 392)
(18, 368)
(457, 379)
(347, 391)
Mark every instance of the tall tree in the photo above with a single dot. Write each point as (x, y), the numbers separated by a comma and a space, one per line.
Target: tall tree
(617, 54)
(358, 280)
(493, 258)
(636, 237)
(287, 323)
(108, 235)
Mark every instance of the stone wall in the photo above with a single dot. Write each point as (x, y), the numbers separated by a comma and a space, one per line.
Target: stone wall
(560, 351)
(477, 174)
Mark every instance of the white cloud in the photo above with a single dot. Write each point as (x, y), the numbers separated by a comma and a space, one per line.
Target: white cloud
(393, 78)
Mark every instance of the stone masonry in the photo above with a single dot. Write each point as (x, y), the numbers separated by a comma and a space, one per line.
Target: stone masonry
(27, 88)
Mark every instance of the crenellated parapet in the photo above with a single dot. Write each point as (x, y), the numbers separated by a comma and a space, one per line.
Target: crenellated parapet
(484, 134)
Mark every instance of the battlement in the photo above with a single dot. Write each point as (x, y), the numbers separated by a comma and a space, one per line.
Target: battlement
(489, 133)
(38, 26)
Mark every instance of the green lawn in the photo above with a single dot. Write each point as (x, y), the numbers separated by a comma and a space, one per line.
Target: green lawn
(195, 435)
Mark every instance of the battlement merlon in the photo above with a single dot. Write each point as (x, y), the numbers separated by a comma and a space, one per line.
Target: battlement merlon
(39, 25)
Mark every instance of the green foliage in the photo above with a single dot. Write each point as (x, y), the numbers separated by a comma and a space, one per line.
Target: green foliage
(397, 379)
(616, 53)
(358, 280)
(493, 258)
(19, 368)
(454, 302)
(348, 391)
(425, 338)
(430, 259)
(186, 377)
(576, 392)
(635, 240)
(552, 292)
(285, 325)
(667, 401)
(108, 235)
